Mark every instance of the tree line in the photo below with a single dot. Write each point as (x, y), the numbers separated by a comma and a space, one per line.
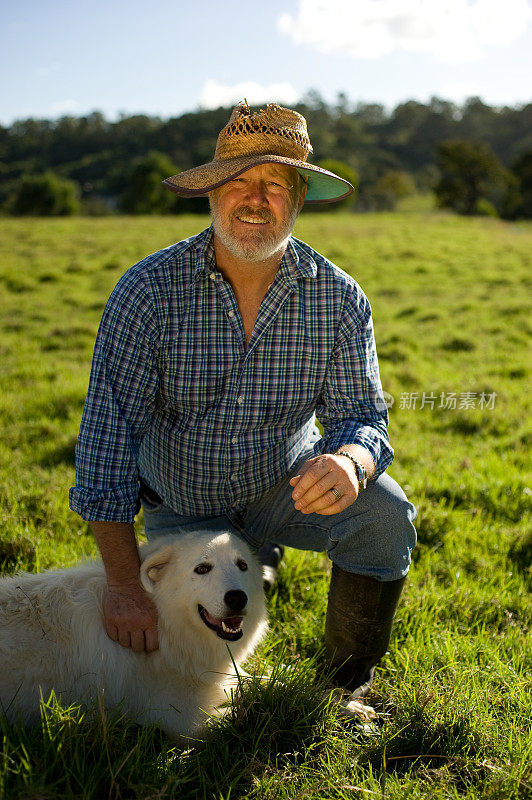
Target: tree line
(476, 158)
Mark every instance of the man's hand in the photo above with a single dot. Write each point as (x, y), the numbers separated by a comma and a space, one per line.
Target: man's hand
(317, 478)
(130, 617)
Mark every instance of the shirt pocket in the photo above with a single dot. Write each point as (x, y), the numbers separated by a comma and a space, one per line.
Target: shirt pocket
(194, 378)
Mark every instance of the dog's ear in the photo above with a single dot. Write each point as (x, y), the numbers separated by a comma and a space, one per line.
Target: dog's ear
(152, 569)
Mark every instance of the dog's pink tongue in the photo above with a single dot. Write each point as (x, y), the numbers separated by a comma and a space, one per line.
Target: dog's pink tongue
(213, 620)
(233, 623)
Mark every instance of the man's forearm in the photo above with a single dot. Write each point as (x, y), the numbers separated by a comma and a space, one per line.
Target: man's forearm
(118, 546)
(362, 455)
(129, 614)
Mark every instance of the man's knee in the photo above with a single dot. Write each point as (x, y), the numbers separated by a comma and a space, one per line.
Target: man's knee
(390, 505)
(379, 536)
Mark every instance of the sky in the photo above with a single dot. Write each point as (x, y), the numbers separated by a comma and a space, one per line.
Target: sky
(166, 57)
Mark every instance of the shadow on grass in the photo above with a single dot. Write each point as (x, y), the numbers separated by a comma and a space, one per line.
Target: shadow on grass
(16, 553)
(497, 498)
(64, 453)
(520, 553)
(77, 753)
(429, 747)
(99, 754)
(271, 723)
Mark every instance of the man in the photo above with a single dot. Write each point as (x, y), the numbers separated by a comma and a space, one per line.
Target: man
(213, 359)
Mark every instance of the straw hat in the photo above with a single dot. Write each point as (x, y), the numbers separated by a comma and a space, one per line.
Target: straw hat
(276, 135)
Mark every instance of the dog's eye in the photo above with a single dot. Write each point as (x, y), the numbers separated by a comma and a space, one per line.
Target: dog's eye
(202, 569)
(242, 565)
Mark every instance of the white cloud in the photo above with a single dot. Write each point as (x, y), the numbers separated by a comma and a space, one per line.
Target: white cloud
(214, 94)
(453, 31)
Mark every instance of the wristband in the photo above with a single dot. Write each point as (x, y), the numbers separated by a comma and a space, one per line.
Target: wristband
(362, 475)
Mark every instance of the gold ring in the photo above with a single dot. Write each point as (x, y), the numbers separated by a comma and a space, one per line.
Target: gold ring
(336, 492)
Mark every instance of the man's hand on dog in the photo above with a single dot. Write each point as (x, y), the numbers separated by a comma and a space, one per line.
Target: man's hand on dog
(131, 617)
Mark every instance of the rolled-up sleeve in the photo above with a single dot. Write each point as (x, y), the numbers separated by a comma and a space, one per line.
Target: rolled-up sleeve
(352, 408)
(120, 401)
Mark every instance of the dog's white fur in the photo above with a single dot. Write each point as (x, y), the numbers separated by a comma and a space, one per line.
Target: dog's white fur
(52, 635)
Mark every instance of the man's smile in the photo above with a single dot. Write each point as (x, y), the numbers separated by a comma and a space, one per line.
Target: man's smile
(252, 220)
(253, 216)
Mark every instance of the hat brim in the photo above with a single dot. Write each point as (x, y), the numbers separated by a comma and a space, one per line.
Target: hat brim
(323, 186)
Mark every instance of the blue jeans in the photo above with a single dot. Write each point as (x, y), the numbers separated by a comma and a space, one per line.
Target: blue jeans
(375, 536)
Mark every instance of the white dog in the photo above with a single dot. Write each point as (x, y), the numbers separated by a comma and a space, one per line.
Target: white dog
(208, 592)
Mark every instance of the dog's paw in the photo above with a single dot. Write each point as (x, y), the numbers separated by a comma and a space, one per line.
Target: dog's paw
(360, 714)
(356, 709)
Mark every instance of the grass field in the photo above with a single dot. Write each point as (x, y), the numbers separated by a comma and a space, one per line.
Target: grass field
(452, 323)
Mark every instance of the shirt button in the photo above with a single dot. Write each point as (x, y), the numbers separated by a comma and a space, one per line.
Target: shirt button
(240, 400)
(212, 276)
(234, 439)
(233, 476)
(231, 314)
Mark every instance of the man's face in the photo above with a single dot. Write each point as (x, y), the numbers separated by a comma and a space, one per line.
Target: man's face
(255, 213)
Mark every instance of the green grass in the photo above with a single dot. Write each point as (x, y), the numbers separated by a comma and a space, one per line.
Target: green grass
(449, 297)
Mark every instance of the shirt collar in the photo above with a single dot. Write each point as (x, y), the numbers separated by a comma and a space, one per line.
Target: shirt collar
(299, 263)
(205, 261)
(295, 264)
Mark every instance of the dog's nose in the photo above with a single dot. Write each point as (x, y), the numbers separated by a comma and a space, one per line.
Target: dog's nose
(235, 600)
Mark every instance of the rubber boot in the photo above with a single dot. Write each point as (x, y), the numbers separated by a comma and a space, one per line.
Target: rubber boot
(358, 626)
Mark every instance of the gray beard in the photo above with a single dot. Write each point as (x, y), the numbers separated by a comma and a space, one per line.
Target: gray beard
(257, 251)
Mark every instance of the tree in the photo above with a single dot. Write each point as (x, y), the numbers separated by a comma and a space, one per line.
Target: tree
(392, 187)
(522, 169)
(144, 192)
(370, 113)
(471, 177)
(45, 195)
(99, 155)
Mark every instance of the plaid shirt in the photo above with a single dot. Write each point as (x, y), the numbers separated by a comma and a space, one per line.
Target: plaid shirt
(177, 397)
